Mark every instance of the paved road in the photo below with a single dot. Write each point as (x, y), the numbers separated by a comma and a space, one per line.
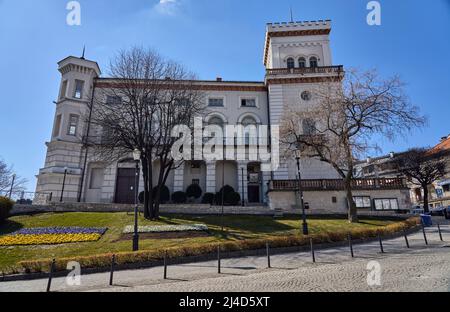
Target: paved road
(421, 268)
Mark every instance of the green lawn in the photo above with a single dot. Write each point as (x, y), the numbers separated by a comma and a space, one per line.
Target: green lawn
(237, 228)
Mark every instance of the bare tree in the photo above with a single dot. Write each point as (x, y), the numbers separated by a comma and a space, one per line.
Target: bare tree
(146, 97)
(423, 168)
(340, 125)
(10, 181)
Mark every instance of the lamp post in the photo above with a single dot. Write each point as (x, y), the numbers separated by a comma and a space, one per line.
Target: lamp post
(137, 159)
(12, 185)
(63, 185)
(300, 191)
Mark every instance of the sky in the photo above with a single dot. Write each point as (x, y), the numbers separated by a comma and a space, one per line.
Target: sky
(212, 38)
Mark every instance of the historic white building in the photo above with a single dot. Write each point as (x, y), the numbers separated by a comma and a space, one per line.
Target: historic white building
(297, 56)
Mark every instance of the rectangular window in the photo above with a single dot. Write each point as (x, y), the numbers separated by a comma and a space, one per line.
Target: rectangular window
(96, 181)
(215, 102)
(196, 182)
(386, 204)
(362, 202)
(73, 124)
(63, 92)
(79, 85)
(113, 100)
(57, 126)
(248, 102)
(446, 188)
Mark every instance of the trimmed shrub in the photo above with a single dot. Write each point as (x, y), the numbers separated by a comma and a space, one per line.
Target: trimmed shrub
(194, 191)
(208, 198)
(226, 191)
(179, 197)
(233, 199)
(5, 207)
(165, 195)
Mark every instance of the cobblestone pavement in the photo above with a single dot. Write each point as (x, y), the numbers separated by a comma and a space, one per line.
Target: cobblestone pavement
(421, 268)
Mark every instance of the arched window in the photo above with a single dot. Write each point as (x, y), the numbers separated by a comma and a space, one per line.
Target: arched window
(290, 63)
(313, 62)
(216, 121)
(250, 136)
(302, 62)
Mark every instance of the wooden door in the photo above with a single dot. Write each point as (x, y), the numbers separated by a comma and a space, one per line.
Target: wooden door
(125, 193)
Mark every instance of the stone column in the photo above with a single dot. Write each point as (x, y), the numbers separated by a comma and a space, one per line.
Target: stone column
(178, 184)
(211, 177)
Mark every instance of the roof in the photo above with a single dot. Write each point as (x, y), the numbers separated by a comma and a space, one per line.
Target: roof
(444, 145)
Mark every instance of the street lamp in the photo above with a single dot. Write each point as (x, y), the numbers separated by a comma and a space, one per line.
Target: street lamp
(137, 159)
(300, 191)
(64, 184)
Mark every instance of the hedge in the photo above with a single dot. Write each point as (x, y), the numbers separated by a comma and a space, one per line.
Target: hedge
(5, 207)
(126, 258)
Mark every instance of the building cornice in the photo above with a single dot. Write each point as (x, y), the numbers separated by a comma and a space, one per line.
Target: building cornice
(303, 80)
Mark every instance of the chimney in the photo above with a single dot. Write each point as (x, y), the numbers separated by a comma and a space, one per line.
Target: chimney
(219, 79)
(392, 155)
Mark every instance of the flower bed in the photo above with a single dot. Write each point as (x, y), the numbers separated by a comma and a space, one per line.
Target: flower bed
(167, 228)
(52, 236)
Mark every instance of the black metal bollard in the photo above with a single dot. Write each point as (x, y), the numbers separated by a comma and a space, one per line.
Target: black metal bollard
(440, 232)
(424, 235)
(219, 264)
(313, 253)
(350, 242)
(111, 275)
(381, 243)
(165, 265)
(268, 255)
(50, 275)
(406, 239)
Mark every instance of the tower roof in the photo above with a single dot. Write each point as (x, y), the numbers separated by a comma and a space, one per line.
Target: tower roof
(295, 29)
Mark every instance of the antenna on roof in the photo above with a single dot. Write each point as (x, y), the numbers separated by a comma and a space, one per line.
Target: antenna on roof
(84, 51)
(292, 15)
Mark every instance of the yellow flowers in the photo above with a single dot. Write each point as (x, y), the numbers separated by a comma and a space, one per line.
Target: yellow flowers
(47, 239)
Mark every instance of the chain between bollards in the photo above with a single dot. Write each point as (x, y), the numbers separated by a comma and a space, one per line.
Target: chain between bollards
(219, 264)
(165, 265)
(111, 276)
(424, 234)
(313, 253)
(50, 275)
(268, 255)
(380, 239)
(350, 242)
(440, 232)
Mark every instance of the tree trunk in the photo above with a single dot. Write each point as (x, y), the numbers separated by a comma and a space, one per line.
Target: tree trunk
(425, 199)
(352, 210)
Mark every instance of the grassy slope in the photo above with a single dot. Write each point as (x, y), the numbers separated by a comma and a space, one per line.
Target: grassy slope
(238, 227)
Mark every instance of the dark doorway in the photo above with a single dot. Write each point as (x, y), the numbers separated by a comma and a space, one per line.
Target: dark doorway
(125, 186)
(253, 194)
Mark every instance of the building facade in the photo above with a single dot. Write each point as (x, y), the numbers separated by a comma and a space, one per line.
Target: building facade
(297, 56)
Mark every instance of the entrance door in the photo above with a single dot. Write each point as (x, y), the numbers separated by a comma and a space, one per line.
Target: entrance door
(125, 186)
(253, 194)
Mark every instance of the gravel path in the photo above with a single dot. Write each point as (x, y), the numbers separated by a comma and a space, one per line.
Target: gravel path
(421, 268)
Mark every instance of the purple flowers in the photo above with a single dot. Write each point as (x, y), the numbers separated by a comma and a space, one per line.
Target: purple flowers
(60, 230)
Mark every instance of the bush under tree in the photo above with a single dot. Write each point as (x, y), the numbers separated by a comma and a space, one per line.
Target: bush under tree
(5, 208)
(194, 191)
(179, 197)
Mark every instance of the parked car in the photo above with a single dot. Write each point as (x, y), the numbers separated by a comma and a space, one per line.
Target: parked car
(437, 211)
(417, 210)
(447, 213)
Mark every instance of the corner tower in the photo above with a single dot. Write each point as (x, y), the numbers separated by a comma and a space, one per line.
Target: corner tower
(63, 162)
(297, 57)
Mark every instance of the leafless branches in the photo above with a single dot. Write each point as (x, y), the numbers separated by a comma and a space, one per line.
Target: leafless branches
(345, 117)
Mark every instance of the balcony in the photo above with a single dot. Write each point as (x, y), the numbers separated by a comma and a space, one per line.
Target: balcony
(337, 185)
(307, 70)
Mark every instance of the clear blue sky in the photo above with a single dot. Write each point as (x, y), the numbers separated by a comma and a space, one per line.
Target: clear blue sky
(213, 38)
